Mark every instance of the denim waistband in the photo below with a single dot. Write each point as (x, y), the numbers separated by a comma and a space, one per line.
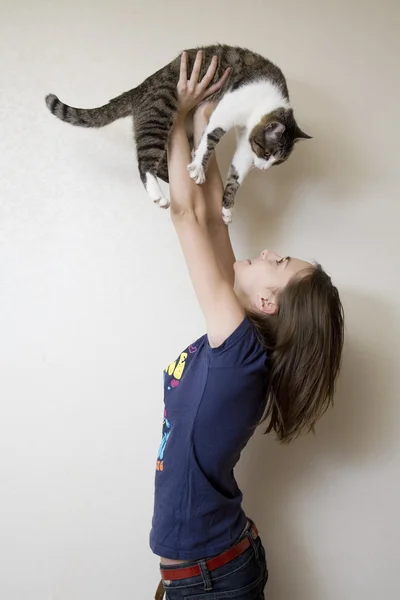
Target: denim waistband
(187, 563)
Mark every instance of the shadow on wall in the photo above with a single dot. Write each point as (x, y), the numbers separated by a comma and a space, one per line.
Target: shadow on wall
(332, 162)
(354, 434)
(276, 478)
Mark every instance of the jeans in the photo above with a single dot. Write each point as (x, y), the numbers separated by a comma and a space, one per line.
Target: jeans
(243, 578)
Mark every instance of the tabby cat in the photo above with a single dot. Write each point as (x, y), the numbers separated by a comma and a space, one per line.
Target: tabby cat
(255, 99)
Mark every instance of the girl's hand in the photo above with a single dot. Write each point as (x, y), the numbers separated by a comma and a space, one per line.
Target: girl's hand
(192, 91)
(203, 111)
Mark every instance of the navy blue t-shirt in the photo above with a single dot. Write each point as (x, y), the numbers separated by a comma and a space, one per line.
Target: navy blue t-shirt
(213, 400)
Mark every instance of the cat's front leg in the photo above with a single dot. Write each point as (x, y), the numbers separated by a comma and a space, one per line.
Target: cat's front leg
(241, 164)
(218, 125)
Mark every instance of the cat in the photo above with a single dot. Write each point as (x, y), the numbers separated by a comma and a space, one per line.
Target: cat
(255, 100)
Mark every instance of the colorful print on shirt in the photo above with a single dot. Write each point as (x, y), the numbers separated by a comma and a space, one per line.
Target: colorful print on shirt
(173, 376)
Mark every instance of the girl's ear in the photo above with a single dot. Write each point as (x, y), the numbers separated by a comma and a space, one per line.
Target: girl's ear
(268, 306)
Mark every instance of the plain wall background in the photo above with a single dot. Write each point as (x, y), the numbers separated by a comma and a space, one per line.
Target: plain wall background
(95, 300)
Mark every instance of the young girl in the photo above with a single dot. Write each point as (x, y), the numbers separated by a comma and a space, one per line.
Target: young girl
(273, 348)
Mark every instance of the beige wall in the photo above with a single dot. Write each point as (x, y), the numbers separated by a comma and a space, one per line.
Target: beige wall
(95, 300)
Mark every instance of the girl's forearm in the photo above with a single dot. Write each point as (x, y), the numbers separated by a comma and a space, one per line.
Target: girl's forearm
(185, 195)
(213, 187)
(213, 191)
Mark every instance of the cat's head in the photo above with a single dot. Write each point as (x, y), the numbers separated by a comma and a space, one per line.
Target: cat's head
(273, 138)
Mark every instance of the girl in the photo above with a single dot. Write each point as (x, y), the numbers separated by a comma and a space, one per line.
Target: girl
(273, 348)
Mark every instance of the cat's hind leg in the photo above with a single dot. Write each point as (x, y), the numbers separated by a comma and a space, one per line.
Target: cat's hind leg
(153, 189)
(152, 128)
(162, 170)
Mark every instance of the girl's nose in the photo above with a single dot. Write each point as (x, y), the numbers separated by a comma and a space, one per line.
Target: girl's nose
(268, 255)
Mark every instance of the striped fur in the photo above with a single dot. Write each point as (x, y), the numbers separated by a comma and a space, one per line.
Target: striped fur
(152, 105)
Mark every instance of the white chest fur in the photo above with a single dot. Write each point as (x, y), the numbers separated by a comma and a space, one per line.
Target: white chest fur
(245, 106)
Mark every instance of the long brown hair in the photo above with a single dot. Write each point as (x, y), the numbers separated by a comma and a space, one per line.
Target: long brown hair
(305, 339)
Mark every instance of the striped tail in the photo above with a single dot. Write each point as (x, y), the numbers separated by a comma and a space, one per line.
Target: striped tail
(117, 108)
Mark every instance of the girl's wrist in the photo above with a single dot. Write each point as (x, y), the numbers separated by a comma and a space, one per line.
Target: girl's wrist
(200, 122)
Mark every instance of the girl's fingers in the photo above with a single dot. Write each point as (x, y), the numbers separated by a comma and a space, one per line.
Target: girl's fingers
(183, 69)
(208, 77)
(199, 90)
(218, 85)
(194, 78)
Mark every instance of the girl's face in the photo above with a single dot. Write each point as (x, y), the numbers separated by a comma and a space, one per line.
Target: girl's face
(258, 281)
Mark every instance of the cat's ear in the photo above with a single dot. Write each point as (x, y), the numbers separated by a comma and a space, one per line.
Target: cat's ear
(274, 130)
(300, 135)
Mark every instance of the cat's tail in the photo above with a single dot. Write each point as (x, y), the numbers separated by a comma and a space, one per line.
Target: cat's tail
(92, 117)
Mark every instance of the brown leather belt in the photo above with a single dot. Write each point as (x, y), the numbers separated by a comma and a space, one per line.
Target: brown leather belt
(212, 563)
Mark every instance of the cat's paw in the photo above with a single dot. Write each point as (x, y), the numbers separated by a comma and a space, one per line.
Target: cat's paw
(162, 202)
(227, 214)
(196, 172)
(154, 191)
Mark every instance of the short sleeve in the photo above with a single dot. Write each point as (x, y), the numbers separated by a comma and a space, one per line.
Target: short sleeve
(241, 348)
